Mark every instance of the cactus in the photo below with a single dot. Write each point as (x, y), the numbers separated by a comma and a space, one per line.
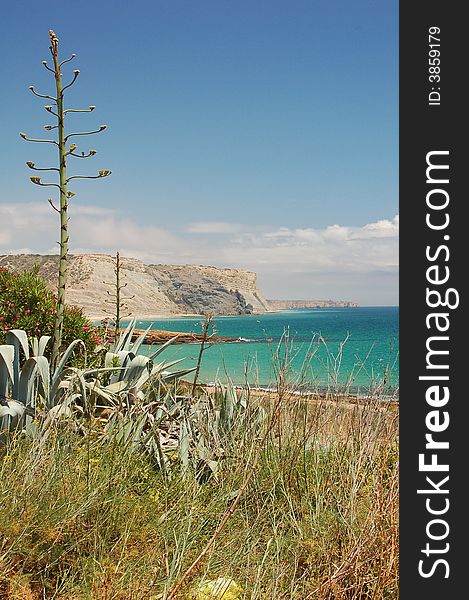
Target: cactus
(61, 142)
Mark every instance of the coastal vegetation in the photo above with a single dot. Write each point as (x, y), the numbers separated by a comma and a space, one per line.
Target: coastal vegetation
(27, 303)
(85, 520)
(125, 482)
(122, 477)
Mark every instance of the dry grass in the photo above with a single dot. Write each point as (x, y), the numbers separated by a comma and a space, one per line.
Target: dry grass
(318, 520)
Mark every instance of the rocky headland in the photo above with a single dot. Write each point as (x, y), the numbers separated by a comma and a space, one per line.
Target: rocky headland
(151, 290)
(286, 304)
(156, 290)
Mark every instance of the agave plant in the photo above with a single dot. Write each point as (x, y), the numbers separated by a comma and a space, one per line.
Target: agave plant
(174, 429)
(130, 372)
(184, 435)
(212, 424)
(130, 399)
(30, 387)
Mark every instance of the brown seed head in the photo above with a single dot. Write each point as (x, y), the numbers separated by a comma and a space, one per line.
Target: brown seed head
(54, 40)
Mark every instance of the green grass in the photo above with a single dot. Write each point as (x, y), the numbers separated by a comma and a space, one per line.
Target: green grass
(318, 518)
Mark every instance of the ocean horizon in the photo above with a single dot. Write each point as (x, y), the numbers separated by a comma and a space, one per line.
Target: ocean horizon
(354, 349)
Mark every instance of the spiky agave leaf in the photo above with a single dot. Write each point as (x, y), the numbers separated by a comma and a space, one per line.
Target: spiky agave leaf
(12, 408)
(43, 341)
(7, 357)
(18, 337)
(57, 375)
(123, 343)
(19, 340)
(139, 341)
(12, 413)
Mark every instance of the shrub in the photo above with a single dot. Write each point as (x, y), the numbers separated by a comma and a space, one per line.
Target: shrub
(26, 303)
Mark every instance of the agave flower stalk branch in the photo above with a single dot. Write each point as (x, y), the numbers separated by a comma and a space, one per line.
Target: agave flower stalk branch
(72, 148)
(37, 181)
(31, 87)
(75, 75)
(79, 110)
(101, 128)
(32, 166)
(83, 155)
(101, 174)
(44, 62)
(25, 137)
(49, 110)
(67, 60)
(53, 205)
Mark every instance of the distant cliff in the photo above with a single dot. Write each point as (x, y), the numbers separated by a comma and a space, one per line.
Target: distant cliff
(284, 304)
(157, 289)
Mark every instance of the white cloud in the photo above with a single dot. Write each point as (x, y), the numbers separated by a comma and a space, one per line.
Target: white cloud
(382, 228)
(92, 229)
(335, 248)
(282, 256)
(5, 238)
(214, 227)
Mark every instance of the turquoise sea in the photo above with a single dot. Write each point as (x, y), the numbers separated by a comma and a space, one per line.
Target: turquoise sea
(368, 357)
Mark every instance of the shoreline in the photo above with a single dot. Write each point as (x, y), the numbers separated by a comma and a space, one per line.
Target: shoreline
(145, 317)
(150, 317)
(170, 316)
(316, 396)
(95, 318)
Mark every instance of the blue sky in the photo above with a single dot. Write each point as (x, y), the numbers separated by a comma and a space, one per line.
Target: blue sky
(253, 134)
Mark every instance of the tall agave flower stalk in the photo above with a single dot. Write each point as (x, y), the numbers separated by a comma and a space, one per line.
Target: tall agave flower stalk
(58, 110)
(116, 297)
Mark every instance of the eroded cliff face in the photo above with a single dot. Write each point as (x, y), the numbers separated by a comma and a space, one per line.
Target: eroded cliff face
(208, 289)
(156, 289)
